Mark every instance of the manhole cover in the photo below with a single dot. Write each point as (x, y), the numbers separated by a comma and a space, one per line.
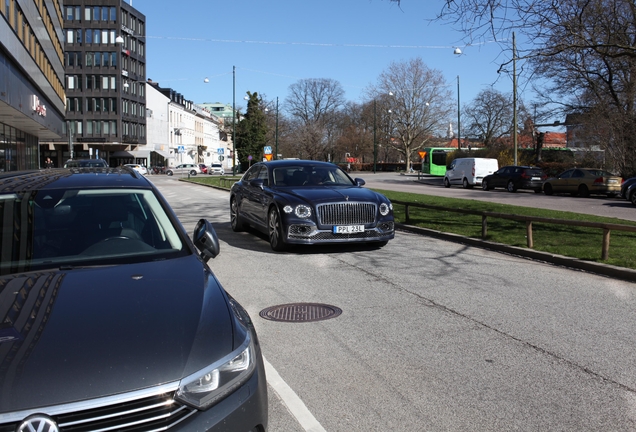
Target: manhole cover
(300, 312)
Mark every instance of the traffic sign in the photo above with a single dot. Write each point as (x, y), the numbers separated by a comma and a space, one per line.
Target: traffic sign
(181, 149)
(268, 157)
(422, 154)
(267, 150)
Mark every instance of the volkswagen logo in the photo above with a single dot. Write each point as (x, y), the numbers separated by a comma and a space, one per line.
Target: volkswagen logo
(38, 423)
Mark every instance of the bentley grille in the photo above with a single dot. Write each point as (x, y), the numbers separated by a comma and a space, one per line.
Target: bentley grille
(346, 213)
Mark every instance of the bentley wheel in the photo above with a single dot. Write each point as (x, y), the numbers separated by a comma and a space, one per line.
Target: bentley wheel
(275, 231)
(235, 218)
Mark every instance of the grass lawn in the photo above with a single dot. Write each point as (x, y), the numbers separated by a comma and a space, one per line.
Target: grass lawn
(578, 242)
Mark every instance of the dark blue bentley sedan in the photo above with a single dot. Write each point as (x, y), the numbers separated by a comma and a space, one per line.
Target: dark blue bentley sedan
(309, 202)
(111, 318)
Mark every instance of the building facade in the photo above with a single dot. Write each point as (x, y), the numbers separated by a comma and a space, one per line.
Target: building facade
(32, 91)
(189, 132)
(105, 74)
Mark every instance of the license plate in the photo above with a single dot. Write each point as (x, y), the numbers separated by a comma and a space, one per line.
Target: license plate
(348, 229)
(536, 178)
(612, 181)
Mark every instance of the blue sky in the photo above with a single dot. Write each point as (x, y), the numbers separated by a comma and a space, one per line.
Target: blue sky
(275, 43)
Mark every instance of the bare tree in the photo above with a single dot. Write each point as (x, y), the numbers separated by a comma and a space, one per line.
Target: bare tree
(313, 105)
(489, 116)
(418, 100)
(585, 48)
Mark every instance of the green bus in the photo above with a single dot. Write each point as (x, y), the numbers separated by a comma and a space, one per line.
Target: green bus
(434, 162)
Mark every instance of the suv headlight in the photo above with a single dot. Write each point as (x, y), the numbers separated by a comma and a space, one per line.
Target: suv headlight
(385, 208)
(206, 387)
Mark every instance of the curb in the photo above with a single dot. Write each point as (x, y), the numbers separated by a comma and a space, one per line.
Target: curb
(560, 260)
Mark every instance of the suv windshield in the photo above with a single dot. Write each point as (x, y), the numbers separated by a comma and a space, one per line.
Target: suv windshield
(46, 228)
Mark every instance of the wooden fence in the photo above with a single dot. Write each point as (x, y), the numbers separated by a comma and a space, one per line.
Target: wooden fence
(606, 227)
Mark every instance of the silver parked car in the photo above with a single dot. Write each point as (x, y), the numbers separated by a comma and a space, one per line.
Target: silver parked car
(192, 169)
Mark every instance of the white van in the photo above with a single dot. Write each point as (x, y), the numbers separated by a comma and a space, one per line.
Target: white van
(469, 172)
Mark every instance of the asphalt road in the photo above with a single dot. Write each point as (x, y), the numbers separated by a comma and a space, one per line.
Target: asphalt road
(433, 336)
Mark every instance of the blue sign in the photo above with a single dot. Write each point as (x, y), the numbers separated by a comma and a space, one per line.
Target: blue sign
(220, 150)
(180, 149)
(267, 149)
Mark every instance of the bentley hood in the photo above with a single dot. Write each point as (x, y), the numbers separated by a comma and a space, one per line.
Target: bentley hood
(78, 334)
(322, 194)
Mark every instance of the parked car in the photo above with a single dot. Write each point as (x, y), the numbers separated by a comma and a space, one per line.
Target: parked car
(469, 172)
(139, 168)
(309, 202)
(583, 182)
(85, 163)
(106, 291)
(515, 177)
(216, 169)
(203, 168)
(630, 193)
(191, 169)
(626, 184)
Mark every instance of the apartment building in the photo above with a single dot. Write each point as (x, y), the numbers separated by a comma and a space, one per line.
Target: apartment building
(105, 74)
(32, 91)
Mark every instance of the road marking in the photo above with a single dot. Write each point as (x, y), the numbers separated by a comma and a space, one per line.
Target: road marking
(294, 404)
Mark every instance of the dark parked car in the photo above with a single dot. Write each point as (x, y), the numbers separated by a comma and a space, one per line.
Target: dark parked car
(515, 177)
(630, 193)
(111, 318)
(309, 202)
(625, 186)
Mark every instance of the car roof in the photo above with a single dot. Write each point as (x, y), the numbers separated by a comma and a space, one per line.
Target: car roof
(72, 178)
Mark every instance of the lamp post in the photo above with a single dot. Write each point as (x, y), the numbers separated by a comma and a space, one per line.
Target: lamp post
(233, 120)
(375, 143)
(276, 155)
(514, 95)
(459, 124)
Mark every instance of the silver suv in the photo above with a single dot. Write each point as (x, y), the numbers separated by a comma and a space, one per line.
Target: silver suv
(216, 169)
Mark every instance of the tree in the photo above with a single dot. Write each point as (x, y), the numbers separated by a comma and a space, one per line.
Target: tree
(251, 131)
(313, 105)
(418, 99)
(489, 116)
(585, 48)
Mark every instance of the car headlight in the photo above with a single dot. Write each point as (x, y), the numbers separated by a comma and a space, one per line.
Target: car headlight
(385, 208)
(206, 387)
(303, 211)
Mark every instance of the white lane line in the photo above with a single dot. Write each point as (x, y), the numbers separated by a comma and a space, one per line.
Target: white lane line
(294, 404)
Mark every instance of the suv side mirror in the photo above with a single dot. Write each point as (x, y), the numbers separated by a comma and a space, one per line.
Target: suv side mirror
(206, 240)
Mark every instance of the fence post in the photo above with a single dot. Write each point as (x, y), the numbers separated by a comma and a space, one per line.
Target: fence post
(484, 226)
(606, 242)
(406, 212)
(529, 234)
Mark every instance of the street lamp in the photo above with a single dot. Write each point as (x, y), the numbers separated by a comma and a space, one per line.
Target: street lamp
(514, 94)
(375, 143)
(233, 120)
(457, 51)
